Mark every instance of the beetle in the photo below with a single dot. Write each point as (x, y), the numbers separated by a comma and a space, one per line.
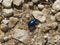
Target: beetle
(32, 22)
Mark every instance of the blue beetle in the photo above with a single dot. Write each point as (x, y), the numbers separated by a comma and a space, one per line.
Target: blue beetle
(32, 22)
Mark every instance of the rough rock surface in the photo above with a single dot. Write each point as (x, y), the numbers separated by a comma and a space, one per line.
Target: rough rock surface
(14, 18)
(18, 2)
(56, 5)
(20, 34)
(12, 21)
(7, 12)
(57, 16)
(7, 3)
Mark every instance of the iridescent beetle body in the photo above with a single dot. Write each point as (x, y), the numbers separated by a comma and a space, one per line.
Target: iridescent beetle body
(32, 22)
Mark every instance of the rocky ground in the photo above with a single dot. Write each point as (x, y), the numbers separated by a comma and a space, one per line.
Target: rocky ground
(14, 18)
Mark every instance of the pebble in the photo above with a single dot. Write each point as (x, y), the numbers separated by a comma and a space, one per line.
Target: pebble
(7, 37)
(7, 3)
(52, 25)
(0, 1)
(35, 1)
(40, 6)
(56, 5)
(36, 13)
(20, 34)
(10, 42)
(46, 35)
(4, 27)
(30, 3)
(39, 25)
(53, 11)
(52, 18)
(42, 19)
(1, 34)
(39, 15)
(7, 12)
(12, 22)
(18, 2)
(5, 21)
(0, 43)
(57, 16)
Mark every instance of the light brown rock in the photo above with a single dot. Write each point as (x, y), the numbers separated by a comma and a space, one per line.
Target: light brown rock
(7, 12)
(1, 34)
(20, 34)
(57, 16)
(4, 27)
(12, 21)
(18, 2)
(7, 3)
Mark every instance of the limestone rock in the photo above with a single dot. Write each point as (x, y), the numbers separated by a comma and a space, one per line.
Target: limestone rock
(12, 22)
(10, 42)
(40, 6)
(17, 2)
(35, 1)
(4, 27)
(56, 5)
(52, 18)
(0, 1)
(39, 15)
(7, 12)
(20, 34)
(7, 3)
(57, 16)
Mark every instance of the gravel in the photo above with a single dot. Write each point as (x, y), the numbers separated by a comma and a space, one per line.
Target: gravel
(56, 5)
(14, 18)
(18, 2)
(7, 12)
(7, 3)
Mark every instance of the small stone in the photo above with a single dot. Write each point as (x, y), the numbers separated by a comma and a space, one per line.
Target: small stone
(25, 6)
(39, 15)
(40, 6)
(7, 3)
(1, 34)
(12, 22)
(46, 11)
(30, 3)
(47, 0)
(52, 18)
(20, 34)
(0, 43)
(53, 11)
(18, 2)
(7, 12)
(7, 37)
(52, 25)
(0, 1)
(46, 35)
(10, 42)
(57, 16)
(4, 27)
(56, 5)
(39, 26)
(5, 21)
(42, 19)
(35, 1)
